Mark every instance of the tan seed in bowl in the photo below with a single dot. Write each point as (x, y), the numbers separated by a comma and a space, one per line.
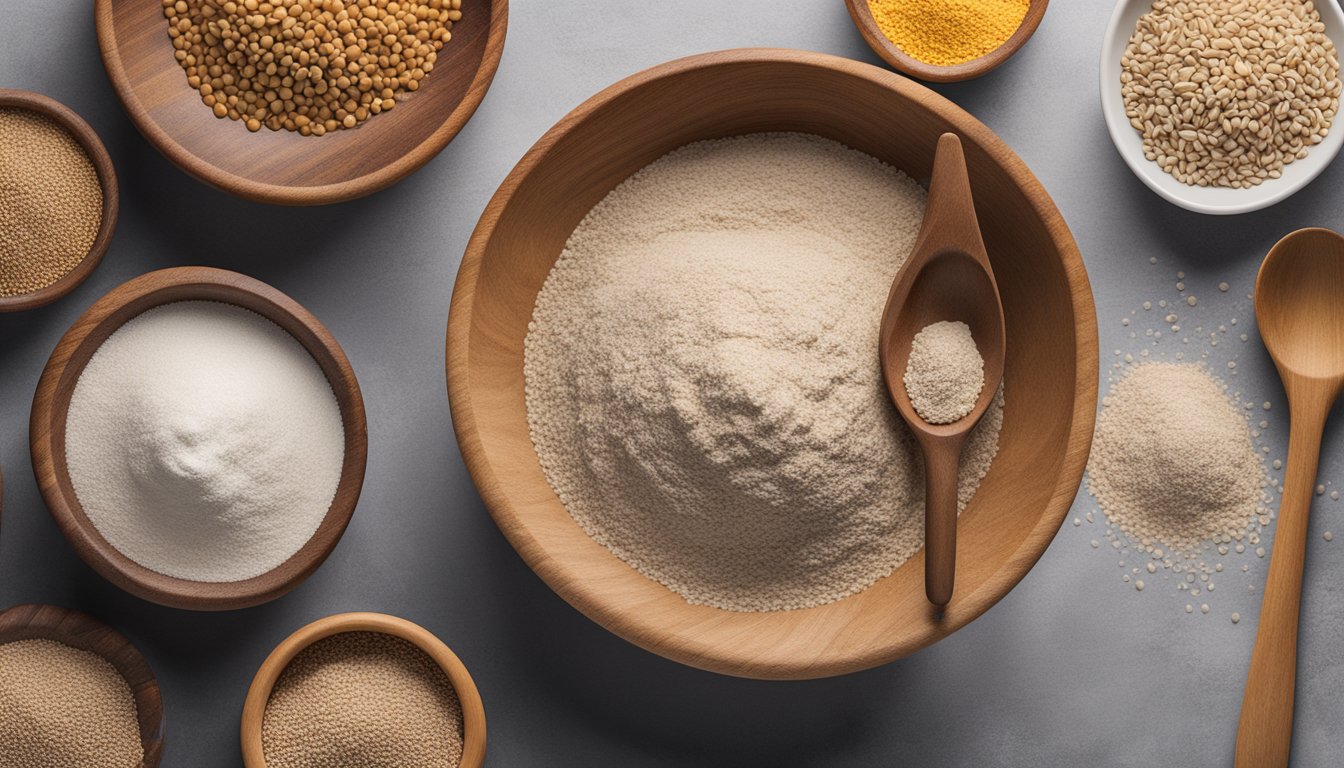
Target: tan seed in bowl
(51, 202)
(1227, 92)
(310, 66)
(363, 699)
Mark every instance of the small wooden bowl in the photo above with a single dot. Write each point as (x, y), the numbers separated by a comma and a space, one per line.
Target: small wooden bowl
(904, 62)
(283, 167)
(1050, 380)
(107, 179)
(78, 630)
(259, 693)
(52, 400)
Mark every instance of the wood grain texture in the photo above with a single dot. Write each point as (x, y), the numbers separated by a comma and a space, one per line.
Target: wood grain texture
(77, 630)
(259, 693)
(52, 400)
(107, 179)
(1301, 319)
(903, 62)
(283, 167)
(946, 277)
(1051, 372)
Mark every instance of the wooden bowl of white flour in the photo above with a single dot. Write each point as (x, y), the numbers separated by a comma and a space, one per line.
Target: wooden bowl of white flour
(200, 439)
(663, 460)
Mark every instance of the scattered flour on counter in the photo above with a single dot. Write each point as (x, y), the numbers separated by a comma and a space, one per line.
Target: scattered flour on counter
(1173, 461)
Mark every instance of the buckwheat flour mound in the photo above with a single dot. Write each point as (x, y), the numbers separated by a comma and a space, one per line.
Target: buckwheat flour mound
(1173, 461)
(63, 707)
(702, 377)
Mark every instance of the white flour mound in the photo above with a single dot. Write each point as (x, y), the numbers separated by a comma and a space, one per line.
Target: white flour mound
(1172, 460)
(703, 387)
(204, 442)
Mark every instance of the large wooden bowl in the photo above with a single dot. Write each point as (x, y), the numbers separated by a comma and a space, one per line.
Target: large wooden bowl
(1050, 380)
(107, 179)
(46, 433)
(77, 630)
(259, 693)
(281, 166)
(891, 53)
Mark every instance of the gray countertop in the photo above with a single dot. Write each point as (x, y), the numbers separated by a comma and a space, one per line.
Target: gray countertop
(1074, 667)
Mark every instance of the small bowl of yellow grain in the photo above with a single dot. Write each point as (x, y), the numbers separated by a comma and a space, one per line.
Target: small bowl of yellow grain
(58, 200)
(944, 41)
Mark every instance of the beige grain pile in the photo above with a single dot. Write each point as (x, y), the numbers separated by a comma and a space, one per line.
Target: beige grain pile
(702, 378)
(1227, 92)
(362, 700)
(62, 707)
(51, 204)
(945, 372)
(310, 66)
(1173, 462)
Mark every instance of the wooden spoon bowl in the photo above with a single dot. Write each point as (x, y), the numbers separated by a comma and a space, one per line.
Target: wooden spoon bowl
(77, 630)
(52, 400)
(259, 693)
(284, 167)
(107, 179)
(1050, 376)
(862, 15)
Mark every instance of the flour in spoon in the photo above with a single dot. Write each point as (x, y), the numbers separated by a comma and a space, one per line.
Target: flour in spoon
(945, 373)
(702, 377)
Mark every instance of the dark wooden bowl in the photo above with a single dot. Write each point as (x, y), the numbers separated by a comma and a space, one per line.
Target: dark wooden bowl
(52, 400)
(77, 630)
(259, 693)
(903, 62)
(283, 167)
(1050, 380)
(107, 179)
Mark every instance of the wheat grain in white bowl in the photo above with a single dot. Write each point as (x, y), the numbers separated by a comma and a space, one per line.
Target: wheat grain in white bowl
(1213, 200)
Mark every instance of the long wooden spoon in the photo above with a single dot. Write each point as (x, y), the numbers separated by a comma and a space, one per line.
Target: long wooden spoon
(1299, 306)
(946, 277)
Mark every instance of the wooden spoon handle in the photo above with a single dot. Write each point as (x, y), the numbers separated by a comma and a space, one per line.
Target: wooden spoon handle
(941, 461)
(950, 222)
(1265, 732)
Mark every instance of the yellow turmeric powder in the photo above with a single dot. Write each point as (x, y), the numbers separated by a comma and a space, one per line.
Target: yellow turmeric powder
(947, 32)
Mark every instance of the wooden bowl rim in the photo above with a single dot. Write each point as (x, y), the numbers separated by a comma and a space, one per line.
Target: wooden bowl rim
(58, 380)
(588, 597)
(107, 179)
(904, 62)
(281, 194)
(52, 622)
(259, 692)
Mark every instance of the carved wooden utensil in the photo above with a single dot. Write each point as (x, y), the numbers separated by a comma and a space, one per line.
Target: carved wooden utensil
(1301, 319)
(946, 277)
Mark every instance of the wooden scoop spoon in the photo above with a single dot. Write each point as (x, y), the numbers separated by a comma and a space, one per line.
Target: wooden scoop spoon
(946, 277)
(1299, 306)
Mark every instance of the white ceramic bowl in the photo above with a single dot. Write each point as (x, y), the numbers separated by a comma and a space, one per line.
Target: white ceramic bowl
(1296, 174)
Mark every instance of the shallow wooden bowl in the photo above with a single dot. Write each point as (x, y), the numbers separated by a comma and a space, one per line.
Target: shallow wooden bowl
(283, 167)
(77, 630)
(259, 693)
(52, 400)
(107, 179)
(904, 62)
(1050, 378)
